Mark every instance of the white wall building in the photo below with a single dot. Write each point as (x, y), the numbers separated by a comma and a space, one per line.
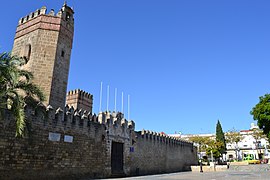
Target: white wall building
(246, 146)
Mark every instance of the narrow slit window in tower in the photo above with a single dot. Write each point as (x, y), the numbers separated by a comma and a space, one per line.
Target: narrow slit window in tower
(67, 16)
(62, 53)
(27, 52)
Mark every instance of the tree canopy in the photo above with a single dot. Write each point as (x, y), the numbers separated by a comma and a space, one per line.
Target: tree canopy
(201, 141)
(208, 144)
(258, 135)
(215, 147)
(232, 136)
(16, 89)
(261, 113)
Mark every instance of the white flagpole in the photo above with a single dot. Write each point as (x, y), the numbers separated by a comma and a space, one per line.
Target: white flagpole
(100, 97)
(108, 97)
(122, 109)
(128, 107)
(115, 98)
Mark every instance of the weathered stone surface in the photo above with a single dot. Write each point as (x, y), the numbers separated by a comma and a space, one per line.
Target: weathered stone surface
(80, 147)
(80, 100)
(46, 41)
(69, 142)
(160, 154)
(42, 155)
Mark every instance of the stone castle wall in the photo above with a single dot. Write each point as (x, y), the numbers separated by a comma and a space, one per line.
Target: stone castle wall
(156, 153)
(71, 143)
(37, 156)
(74, 144)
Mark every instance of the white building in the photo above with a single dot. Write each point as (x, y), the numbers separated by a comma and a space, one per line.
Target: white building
(246, 146)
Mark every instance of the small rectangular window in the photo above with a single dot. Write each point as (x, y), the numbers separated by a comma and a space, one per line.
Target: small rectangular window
(63, 54)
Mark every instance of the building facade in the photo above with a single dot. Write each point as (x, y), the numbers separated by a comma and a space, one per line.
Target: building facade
(70, 141)
(248, 144)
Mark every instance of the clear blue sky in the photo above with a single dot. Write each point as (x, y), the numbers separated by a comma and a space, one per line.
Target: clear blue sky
(185, 64)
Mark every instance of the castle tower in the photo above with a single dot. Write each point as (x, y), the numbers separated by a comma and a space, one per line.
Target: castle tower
(45, 40)
(80, 100)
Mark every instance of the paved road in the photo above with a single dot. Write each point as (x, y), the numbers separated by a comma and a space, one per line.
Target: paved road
(254, 172)
(206, 176)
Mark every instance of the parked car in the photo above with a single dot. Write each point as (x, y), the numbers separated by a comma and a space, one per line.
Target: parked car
(251, 160)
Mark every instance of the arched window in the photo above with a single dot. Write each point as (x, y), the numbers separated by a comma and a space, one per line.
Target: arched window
(27, 52)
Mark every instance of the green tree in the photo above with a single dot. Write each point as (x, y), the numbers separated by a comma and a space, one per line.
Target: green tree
(220, 137)
(257, 135)
(234, 137)
(215, 147)
(202, 142)
(261, 113)
(17, 90)
(206, 144)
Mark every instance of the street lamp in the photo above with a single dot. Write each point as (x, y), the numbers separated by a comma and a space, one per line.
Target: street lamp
(201, 170)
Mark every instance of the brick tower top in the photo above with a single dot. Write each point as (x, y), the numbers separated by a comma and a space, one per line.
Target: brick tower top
(80, 100)
(50, 21)
(45, 40)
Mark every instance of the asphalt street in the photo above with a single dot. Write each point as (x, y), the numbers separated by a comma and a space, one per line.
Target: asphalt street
(206, 176)
(250, 172)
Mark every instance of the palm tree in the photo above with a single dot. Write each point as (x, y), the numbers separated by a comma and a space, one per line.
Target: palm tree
(16, 89)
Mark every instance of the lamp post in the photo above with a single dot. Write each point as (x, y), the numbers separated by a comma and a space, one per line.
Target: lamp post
(201, 170)
(236, 152)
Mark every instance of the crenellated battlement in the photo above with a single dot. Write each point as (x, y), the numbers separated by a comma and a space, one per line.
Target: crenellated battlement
(65, 13)
(78, 119)
(36, 32)
(80, 99)
(63, 141)
(33, 15)
(79, 92)
(115, 119)
(163, 138)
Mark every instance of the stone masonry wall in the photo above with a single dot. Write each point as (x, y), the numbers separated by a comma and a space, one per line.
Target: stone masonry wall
(41, 62)
(80, 100)
(46, 41)
(38, 157)
(155, 153)
(70, 144)
(73, 144)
